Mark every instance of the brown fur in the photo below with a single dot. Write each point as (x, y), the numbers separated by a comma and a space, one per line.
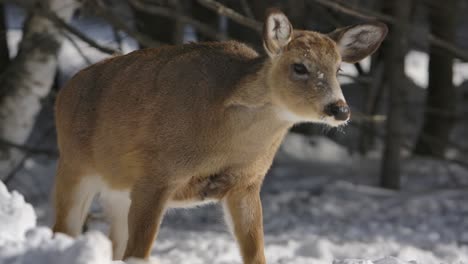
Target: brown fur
(194, 122)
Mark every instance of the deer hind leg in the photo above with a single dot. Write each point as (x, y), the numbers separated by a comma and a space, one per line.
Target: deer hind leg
(73, 194)
(116, 205)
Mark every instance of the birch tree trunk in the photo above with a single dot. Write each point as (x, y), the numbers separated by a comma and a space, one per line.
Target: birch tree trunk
(30, 75)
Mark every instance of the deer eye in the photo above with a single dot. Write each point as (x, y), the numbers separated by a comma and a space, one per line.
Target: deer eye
(300, 69)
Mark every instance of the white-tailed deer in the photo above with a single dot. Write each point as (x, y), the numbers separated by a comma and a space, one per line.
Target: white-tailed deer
(181, 126)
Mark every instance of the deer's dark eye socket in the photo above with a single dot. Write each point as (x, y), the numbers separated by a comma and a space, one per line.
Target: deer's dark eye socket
(300, 69)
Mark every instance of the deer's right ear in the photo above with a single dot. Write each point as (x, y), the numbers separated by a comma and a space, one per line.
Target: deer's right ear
(277, 32)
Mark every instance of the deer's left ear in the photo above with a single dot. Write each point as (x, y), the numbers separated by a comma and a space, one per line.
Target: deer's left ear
(359, 41)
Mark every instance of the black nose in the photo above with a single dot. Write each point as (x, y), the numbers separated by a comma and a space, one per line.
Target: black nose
(339, 110)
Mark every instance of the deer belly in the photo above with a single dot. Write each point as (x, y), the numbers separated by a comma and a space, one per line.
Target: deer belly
(202, 190)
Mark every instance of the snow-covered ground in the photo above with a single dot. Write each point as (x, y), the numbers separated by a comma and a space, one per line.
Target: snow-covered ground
(317, 209)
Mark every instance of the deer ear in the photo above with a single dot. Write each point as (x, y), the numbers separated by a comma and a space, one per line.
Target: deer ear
(277, 32)
(359, 41)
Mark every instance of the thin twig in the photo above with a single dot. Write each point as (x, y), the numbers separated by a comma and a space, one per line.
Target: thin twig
(30, 149)
(78, 49)
(27, 154)
(61, 23)
(355, 12)
(64, 25)
(118, 23)
(117, 38)
(247, 10)
(173, 14)
(451, 49)
(231, 14)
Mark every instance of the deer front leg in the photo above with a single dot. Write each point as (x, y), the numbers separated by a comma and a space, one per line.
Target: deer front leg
(146, 212)
(243, 212)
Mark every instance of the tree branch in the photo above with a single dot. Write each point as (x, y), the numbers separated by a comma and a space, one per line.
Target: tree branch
(169, 13)
(231, 14)
(367, 14)
(28, 152)
(77, 48)
(357, 12)
(247, 10)
(32, 150)
(64, 25)
(103, 11)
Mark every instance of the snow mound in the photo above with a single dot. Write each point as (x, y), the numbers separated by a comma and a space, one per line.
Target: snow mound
(41, 246)
(21, 242)
(16, 216)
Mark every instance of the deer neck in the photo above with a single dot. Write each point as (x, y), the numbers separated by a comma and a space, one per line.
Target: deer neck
(251, 102)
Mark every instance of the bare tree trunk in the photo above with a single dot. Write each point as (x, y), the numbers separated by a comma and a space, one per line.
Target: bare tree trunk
(30, 75)
(4, 52)
(439, 117)
(395, 49)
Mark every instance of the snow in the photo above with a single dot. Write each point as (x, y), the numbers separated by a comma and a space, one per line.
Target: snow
(386, 260)
(21, 242)
(16, 216)
(40, 246)
(316, 219)
(324, 150)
